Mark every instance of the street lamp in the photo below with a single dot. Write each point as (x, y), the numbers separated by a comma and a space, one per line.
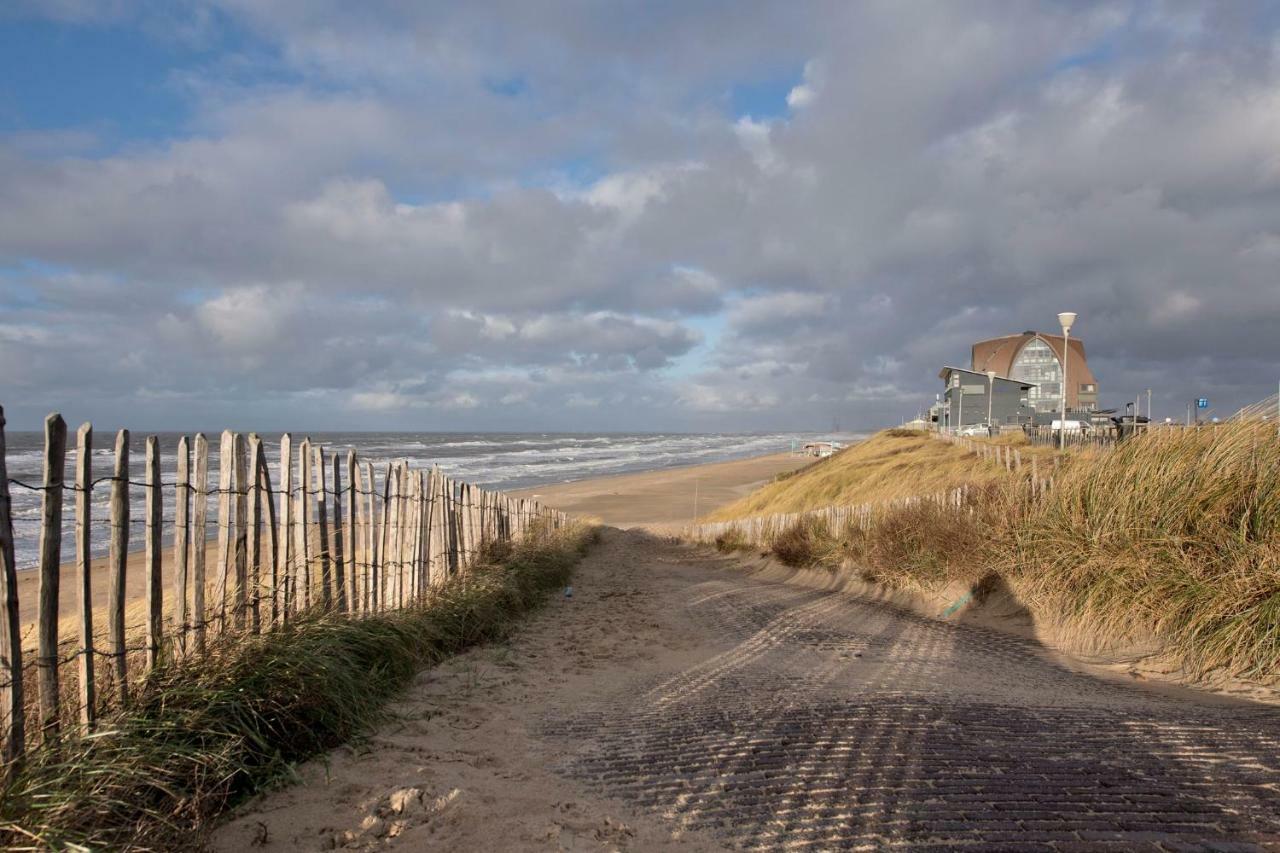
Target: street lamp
(1065, 319)
(991, 382)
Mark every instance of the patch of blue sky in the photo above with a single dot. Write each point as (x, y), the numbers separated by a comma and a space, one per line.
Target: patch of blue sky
(58, 76)
(765, 98)
(121, 81)
(712, 328)
(28, 268)
(573, 173)
(508, 87)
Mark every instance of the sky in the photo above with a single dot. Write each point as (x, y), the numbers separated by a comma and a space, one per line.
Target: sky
(633, 216)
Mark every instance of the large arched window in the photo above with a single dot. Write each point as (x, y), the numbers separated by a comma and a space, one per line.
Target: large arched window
(1037, 364)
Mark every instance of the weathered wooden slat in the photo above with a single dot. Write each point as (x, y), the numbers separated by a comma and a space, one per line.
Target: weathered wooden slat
(269, 580)
(410, 520)
(373, 550)
(384, 542)
(84, 575)
(199, 542)
(391, 565)
(240, 599)
(153, 556)
(253, 542)
(181, 532)
(226, 474)
(12, 722)
(117, 563)
(303, 557)
(322, 522)
(435, 538)
(451, 526)
(353, 535)
(339, 567)
(419, 531)
(55, 453)
(284, 560)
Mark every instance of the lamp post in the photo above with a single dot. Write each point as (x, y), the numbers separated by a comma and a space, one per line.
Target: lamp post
(991, 384)
(1065, 319)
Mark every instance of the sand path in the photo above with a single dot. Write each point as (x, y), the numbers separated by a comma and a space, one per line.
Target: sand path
(678, 701)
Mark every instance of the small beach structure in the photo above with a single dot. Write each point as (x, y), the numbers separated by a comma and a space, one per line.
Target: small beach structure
(820, 449)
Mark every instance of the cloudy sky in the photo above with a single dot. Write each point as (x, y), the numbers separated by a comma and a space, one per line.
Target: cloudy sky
(269, 214)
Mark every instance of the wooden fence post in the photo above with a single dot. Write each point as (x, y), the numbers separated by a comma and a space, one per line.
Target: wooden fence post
(55, 452)
(226, 468)
(339, 566)
(365, 489)
(181, 530)
(370, 524)
(322, 519)
(118, 561)
(284, 562)
(84, 577)
(273, 535)
(199, 541)
(353, 537)
(253, 541)
(391, 560)
(303, 578)
(155, 595)
(384, 547)
(241, 488)
(12, 719)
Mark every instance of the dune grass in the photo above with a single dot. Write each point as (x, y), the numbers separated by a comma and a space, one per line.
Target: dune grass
(201, 735)
(1172, 536)
(891, 464)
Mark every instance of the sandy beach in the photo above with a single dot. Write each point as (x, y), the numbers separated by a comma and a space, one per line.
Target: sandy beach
(666, 497)
(655, 499)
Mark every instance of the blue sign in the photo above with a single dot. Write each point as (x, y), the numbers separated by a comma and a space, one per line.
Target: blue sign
(1202, 402)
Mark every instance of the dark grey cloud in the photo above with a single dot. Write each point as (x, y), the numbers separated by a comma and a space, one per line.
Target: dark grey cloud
(507, 214)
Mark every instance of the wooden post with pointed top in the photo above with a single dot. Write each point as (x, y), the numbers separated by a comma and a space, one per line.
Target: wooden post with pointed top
(270, 580)
(284, 560)
(199, 541)
(322, 520)
(84, 575)
(226, 469)
(374, 548)
(387, 553)
(12, 722)
(117, 561)
(339, 566)
(241, 565)
(55, 453)
(303, 557)
(152, 566)
(181, 532)
(353, 537)
(253, 540)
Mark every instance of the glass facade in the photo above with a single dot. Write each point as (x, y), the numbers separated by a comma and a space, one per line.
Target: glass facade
(1038, 364)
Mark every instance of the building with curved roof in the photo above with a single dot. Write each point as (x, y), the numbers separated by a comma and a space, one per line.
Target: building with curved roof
(1036, 359)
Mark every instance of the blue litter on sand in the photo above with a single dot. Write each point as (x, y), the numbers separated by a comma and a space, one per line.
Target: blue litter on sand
(965, 599)
(568, 592)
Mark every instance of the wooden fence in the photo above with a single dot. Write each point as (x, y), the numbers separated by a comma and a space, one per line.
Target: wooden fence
(1096, 438)
(328, 536)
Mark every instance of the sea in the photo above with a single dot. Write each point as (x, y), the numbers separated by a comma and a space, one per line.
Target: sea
(503, 461)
